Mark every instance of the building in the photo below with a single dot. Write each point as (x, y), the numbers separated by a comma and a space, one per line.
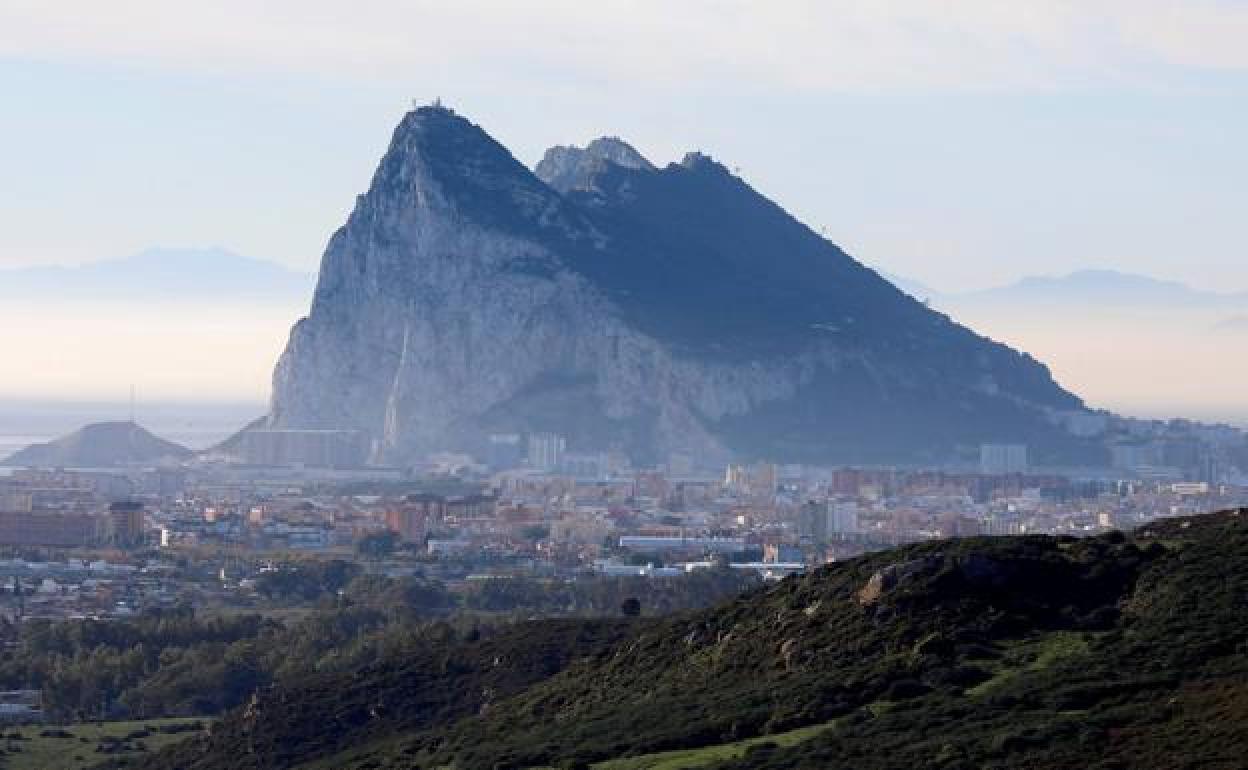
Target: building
(1138, 455)
(1190, 488)
(469, 507)
(308, 448)
(121, 525)
(774, 553)
(998, 459)
(124, 524)
(812, 521)
(21, 706)
(65, 530)
(843, 518)
(655, 543)
(16, 499)
(758, 480)
(546, 451)
(411, 518)
(504, 450)
(820, 520)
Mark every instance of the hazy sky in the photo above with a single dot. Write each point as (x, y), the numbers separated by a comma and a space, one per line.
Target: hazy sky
(963, 144)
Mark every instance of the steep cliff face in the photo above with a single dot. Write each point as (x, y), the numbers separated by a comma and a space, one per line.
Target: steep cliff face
(653, 310)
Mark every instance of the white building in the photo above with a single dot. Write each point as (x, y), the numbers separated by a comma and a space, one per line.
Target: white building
(546, 451)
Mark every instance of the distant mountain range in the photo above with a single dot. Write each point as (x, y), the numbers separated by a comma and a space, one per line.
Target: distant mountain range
(1089, 289)
(161, 273)
(215, 272)
(1237, 323)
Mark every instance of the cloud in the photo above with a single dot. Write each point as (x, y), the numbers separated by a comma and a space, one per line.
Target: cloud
(801, 44)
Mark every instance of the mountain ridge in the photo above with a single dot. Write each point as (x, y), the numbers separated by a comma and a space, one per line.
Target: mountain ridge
(159, 273)
(672, 309)
(1101, 286)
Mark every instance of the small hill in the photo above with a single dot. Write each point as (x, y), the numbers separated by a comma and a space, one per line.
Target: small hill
(100, 445)
(1117, 651)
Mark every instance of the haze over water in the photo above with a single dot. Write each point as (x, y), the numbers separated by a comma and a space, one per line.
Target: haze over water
(194, 425)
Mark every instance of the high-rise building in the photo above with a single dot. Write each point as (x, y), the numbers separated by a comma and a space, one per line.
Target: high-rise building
(1002, 458)
(546, 451)
(812, 521)
(14, 498)
(411, 518)
(311, 448)
(124, 524)
(843, 518)
(48, 528)
(504, 450)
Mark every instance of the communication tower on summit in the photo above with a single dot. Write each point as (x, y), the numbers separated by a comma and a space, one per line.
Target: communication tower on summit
(436, 104)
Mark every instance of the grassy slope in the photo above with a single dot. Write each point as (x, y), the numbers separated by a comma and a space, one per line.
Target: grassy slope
(989, 652)
(78, 750)
(332, 713)
(1105, 626)
(684, 759)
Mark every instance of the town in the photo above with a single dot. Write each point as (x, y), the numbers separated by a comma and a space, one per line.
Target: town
(214, 532)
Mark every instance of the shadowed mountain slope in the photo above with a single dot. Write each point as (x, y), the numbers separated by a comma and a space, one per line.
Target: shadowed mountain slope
(1112, 651)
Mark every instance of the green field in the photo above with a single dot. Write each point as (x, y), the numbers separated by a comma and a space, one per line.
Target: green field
(1032, 656)
(43, 747)
(693, 758)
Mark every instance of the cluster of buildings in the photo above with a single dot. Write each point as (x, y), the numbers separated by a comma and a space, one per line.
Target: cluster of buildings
(532, 506)
(110, 544)
(57, 589)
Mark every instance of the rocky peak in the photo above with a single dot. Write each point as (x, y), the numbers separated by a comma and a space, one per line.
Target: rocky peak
(623, 306)
(440, 159)
(699, 161)
(568, 168)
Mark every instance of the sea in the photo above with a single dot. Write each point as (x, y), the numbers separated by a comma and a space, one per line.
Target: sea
(194, 425)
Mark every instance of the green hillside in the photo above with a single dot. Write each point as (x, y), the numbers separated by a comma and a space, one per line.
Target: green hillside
(1119, 651)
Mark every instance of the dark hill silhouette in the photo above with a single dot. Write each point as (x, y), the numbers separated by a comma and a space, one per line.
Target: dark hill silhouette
(1123, 650)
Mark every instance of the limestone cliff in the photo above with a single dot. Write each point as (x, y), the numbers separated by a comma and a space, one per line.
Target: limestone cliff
(653, 310)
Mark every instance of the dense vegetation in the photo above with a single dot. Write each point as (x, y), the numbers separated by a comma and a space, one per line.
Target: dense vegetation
(178, 663)
(1116, 651)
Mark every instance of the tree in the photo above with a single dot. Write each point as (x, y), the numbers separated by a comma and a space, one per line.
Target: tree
(631, 607)
(535, 532)
(377, 544)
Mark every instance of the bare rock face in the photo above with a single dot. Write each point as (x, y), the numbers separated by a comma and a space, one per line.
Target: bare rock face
(567, 169)
(623, 306)
(886, 580)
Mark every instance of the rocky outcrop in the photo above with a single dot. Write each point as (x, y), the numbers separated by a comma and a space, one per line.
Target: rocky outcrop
(568, 169)
(888, 579)
(650, 310)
